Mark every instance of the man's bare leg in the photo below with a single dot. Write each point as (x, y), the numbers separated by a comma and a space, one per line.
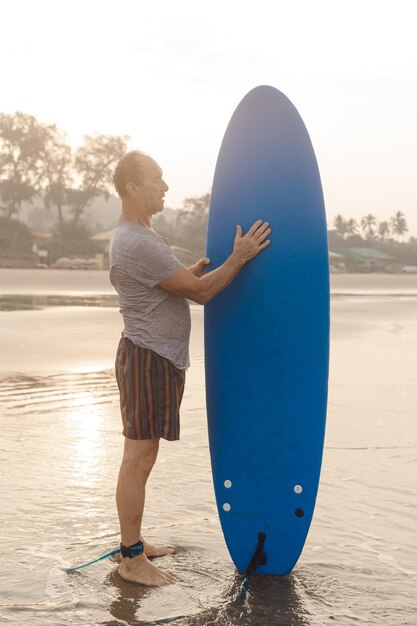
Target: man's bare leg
(138, 460)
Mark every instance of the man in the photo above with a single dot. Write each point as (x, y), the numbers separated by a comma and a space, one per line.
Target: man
(152, 356)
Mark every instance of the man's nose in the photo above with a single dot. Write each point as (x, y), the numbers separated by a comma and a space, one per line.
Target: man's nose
(165, 186)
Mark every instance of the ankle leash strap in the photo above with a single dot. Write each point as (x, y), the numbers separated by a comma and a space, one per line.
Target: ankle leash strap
(131, 551)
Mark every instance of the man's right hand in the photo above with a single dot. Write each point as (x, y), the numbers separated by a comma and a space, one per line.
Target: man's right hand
(246, 247)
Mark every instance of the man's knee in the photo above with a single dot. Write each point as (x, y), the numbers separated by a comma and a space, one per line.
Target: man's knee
(140, 455)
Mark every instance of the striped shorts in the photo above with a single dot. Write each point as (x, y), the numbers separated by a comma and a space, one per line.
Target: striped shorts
(151, 390)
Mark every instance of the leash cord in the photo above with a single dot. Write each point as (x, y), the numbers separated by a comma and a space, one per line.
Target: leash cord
(106, 556)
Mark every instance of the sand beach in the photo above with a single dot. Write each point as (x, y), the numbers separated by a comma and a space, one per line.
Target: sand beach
(61, 447)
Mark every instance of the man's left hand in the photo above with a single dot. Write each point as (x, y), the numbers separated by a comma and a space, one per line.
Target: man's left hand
(199, 268)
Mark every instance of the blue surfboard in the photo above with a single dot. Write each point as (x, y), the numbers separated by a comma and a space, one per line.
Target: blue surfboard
(267, 334)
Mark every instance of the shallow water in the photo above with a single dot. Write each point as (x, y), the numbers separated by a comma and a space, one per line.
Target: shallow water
(61, 447)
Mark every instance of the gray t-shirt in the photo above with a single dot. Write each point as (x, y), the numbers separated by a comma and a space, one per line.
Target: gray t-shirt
(153, 317)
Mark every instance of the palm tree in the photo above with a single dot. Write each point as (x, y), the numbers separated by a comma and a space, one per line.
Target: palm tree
(368, 225)
(398, 224)
(340, 225)
(351, 227)
(383, 230)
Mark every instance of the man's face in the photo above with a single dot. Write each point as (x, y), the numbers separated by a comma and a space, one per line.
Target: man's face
(153, 187)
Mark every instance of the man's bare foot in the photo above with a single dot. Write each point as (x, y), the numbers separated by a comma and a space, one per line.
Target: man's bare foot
(140, 570)
(152, 551)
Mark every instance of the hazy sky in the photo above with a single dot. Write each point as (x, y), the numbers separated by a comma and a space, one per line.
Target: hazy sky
(170, 74)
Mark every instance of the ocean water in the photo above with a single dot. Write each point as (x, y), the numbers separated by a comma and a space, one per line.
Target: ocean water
(61, 447)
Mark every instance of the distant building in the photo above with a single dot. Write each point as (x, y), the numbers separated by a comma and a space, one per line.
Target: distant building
(336, 262)
(103, 239)
(39, 251)
(364, 259)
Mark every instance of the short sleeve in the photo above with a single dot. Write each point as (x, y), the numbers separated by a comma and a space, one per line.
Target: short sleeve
(149, 261)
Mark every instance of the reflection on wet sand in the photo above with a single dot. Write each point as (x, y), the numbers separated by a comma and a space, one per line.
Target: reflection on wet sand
(269, 600)
(38, 302)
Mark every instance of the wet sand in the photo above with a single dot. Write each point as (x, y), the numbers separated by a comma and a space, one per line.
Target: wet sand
(61, 447)
(82, 282)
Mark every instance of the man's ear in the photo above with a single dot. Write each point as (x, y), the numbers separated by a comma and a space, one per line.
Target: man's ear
(132, 190)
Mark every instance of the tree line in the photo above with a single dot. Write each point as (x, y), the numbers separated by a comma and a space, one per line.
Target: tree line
(370, 228)
(36, 159)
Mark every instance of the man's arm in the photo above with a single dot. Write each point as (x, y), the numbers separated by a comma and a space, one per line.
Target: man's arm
(201, 290)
